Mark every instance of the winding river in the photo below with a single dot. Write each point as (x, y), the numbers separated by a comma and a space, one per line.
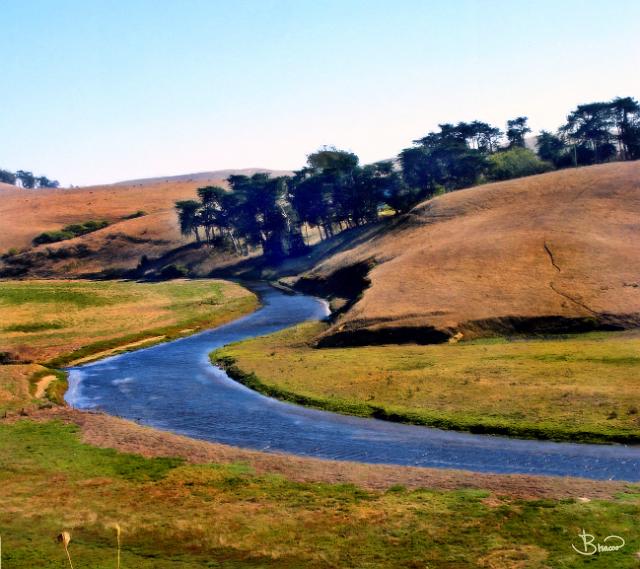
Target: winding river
(173, 386)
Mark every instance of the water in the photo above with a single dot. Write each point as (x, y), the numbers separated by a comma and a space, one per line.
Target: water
(173, 387)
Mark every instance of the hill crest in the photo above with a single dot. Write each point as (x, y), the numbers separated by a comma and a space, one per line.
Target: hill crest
(548, 253)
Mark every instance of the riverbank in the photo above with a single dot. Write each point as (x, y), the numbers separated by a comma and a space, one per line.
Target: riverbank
(51, 324)
(90, 473)
(582, 388)
(279, 511)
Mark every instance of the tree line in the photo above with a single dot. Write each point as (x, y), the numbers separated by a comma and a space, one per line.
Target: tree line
(27, 179)
(333, 191)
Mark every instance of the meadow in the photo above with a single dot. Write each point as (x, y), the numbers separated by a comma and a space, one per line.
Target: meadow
(576, 387)
(49, 324)
(175, 514)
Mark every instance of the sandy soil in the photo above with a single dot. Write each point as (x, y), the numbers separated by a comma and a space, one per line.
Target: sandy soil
(41, 386)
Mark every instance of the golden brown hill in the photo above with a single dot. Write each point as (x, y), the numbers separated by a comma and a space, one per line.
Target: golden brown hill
(24, 214)
(554, 252)
(27, 213)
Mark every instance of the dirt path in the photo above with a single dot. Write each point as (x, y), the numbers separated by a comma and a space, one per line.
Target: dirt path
(41, 386)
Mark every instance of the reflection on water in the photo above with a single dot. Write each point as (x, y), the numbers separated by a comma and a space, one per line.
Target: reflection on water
(173, 386)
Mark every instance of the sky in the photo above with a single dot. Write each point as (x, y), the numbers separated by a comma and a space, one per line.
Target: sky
(100, 91)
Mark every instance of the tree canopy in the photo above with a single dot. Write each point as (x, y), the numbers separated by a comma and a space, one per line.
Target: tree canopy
(27, 179)
(334, 192)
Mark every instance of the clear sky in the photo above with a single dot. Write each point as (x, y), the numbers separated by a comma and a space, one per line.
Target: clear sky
(97, 91)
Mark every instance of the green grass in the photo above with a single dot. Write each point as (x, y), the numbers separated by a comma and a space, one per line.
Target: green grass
(42, 292)
(34, 327)
(56, 322)
(176, 515)
(564, 388)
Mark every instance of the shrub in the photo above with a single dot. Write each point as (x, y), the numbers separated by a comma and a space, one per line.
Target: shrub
(52, 237)
(86, 227)
(70, 231)
(139, 213)
(515, 163)
(10, 253)
(35, 327)
(174, 271)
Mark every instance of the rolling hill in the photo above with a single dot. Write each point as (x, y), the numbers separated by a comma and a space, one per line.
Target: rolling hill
(27, 213)
(203, 178)
(553, 252)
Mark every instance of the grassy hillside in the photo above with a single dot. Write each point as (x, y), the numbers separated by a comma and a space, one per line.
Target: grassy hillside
(553, 252)
(50, 323)
(579, 388)
(26, 213)
(130, 235)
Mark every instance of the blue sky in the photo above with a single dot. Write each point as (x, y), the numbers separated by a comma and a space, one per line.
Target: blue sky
(99, 91)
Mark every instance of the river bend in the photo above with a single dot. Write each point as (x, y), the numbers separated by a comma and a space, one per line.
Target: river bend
(173, 386)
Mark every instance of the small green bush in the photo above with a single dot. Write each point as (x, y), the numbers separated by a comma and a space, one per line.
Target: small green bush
(52, 237)
(516, 163)
(86, 227)
(35, 327)
(174, 271)
(139, 213)
(10, 253)
(70, 231)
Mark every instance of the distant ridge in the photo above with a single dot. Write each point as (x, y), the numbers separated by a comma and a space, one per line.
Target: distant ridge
(214, 176)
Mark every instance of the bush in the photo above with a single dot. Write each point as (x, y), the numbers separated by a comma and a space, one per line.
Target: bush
(86, 227)
(8, 358)
(52, 237)
(70, 231)
(174, 271)
(515, 163)
(10, 253)
(139, 213)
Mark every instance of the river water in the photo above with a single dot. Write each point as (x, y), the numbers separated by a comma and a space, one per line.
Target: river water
(173, 386)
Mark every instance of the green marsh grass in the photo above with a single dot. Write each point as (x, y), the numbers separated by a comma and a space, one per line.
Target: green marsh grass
(565, 388)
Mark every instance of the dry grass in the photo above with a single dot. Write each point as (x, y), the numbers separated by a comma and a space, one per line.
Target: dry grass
(56, 322)
(44, 319)
(577, 387)
(26, 213)
(492, 258)
(15, 386)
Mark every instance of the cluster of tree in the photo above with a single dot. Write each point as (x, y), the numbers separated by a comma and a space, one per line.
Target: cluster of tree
(594, 133)
(27, 179)
(334, 192)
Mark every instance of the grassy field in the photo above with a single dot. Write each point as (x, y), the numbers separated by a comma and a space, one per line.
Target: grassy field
(583, 387)
(179, 515)
(47, 324)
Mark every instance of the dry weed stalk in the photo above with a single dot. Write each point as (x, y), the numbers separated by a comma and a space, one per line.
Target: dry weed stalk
(64, 538)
